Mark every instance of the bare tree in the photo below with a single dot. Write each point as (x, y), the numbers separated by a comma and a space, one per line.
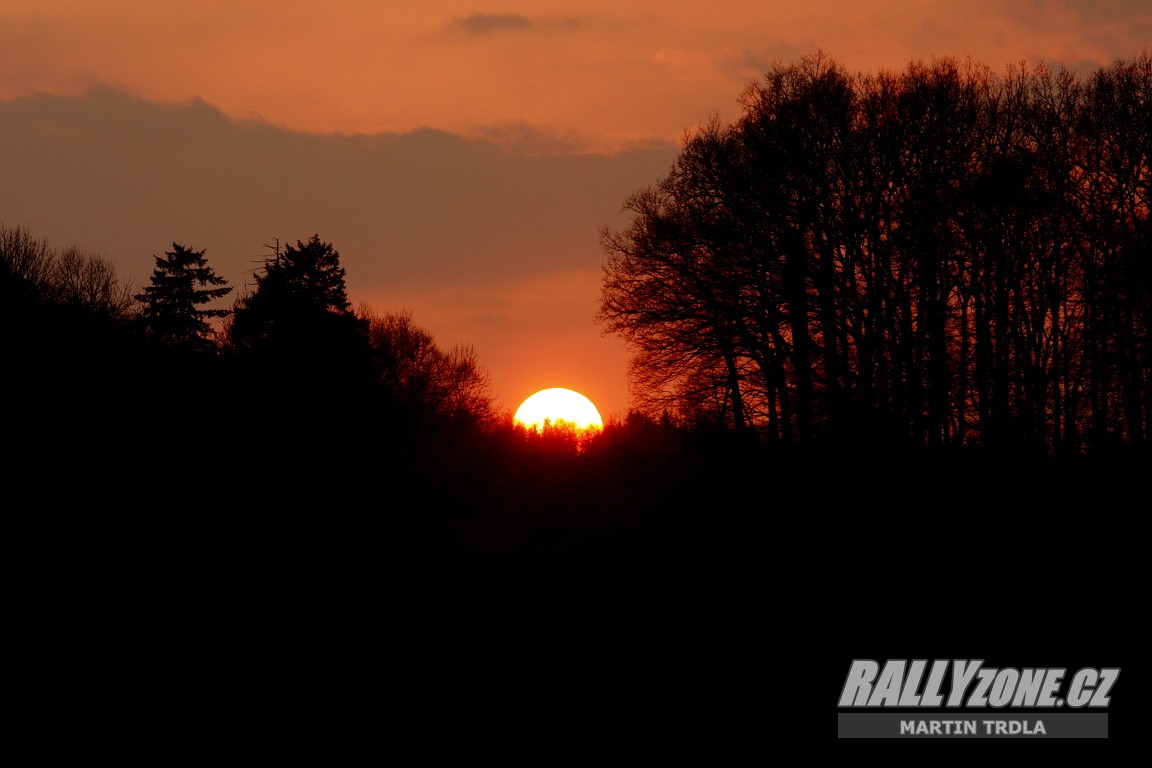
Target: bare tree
(961, 255)
(423, 379)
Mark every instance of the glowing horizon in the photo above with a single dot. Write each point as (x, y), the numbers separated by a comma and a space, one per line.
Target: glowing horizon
(557, 405)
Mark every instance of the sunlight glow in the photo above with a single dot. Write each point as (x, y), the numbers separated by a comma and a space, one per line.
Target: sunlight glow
(555, 405)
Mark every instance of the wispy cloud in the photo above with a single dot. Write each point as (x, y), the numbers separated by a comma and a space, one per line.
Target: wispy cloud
(486, 23)
(490, 23)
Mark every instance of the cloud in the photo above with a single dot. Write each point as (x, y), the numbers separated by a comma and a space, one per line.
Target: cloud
(126, 176)
(530, 140)
(648, 68)
(489, 23)
(508, 242)
(485, 23)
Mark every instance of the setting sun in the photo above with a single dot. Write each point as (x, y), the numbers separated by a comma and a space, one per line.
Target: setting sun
(558, 404)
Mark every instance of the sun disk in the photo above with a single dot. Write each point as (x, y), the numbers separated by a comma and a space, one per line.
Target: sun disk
(558, 404)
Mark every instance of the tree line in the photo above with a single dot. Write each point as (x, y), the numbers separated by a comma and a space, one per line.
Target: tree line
(293, 433)
(288, 377)
(942, 255)
(290, 363)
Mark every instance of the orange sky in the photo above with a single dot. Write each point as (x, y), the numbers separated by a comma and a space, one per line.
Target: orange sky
(604, 71)
(535, 78)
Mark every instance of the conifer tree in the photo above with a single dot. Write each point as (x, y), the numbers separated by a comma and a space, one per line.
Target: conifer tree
(298, 337)
(300, 301)
(181, 282)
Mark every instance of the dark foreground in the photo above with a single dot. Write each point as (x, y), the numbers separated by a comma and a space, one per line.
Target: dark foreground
(702, 596)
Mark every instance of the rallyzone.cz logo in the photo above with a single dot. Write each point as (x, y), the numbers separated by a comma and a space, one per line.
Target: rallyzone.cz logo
(971, 686)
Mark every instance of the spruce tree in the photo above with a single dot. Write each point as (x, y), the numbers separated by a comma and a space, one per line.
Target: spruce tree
(181, 282)
(297, 331)
(300, 299)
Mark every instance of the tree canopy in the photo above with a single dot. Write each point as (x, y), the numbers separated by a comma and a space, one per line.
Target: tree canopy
(941, 254)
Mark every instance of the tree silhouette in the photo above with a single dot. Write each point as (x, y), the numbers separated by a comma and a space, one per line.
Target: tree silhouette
(179, 285)
(298, 342)
(654, 286)
(958, 256)
(63, 282)
(25, 267)
(300, 301)
(423, 380)
(73, 368)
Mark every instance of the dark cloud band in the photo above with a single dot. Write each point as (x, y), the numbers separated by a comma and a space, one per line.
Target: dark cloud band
(484, 23)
